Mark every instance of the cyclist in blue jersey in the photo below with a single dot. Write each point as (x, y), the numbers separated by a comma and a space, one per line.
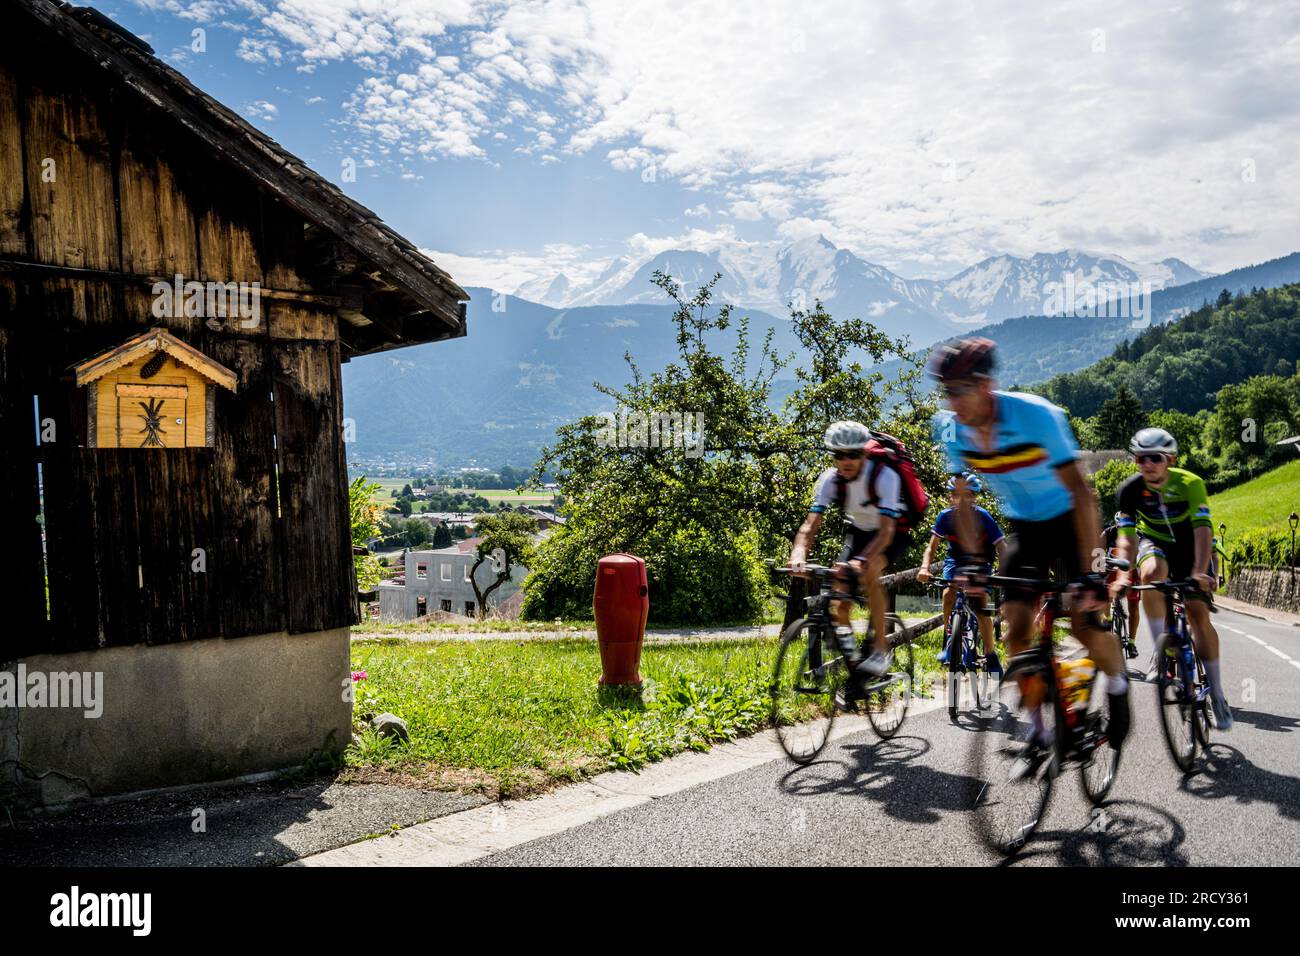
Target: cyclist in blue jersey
(991, 544)
(1022, 447)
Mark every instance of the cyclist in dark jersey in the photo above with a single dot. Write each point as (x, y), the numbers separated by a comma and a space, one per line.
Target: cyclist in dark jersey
(1164, 515)
(992, 544)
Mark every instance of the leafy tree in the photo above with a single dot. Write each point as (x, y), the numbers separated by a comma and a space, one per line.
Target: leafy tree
(505, 541)
(1106, 481)
(441, 537)
(404, 506)
(704, 519)
(1119, 418)
(364, 514)
(406, 491)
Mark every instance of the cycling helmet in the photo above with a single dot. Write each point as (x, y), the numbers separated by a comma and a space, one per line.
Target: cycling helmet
(1151, 440)
(846, 436)
(973, 484)
(969, 358)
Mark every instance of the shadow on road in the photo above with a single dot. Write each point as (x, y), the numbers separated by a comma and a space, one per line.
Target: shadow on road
(1261, 721)
(1121, 833)
(1226, 773)
(887, 772)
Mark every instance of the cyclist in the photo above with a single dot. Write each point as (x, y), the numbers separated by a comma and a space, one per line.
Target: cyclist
(872, 541)
(1165, 512)
(1022, 446)
(1111, 542)
(991, 544)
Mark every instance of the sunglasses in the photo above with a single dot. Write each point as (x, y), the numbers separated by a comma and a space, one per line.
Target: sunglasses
(846, 455)
(1151, 459)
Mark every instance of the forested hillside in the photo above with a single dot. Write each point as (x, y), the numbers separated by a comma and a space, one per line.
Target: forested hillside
(1183, 365)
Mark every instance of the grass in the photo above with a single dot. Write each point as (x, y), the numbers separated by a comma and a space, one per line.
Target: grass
(387, 486)
(508, 718)
(1263, 502)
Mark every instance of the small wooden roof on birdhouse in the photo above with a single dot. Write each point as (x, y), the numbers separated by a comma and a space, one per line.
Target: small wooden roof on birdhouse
(147, 343)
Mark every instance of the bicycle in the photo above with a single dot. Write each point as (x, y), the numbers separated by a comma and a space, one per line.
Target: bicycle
(967, 655)
(1017, 764)
(1119, 625)
(1182, 691)
(811, 671)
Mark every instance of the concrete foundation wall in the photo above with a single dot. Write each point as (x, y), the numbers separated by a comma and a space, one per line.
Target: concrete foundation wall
(180, 713)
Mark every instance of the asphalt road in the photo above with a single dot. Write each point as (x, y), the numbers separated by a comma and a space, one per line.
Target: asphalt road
(905, 801)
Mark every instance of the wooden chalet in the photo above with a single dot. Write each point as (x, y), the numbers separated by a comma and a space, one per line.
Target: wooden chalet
(185, 462)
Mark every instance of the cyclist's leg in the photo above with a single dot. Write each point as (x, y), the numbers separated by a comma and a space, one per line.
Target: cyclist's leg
(949, 602)
(978, 602)
(871, 572)
(1151, 569)
(854, 540)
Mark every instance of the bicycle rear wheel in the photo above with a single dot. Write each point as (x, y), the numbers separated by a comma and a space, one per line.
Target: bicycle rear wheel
(889, 697)
(1014, 765)
(809, 671)
(1177, 711)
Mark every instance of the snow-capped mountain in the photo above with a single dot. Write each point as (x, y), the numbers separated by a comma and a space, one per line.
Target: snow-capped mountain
(772, 278)
(546, 291)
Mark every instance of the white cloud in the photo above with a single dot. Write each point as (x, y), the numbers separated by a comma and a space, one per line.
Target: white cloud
(926, 135)
(262, 110)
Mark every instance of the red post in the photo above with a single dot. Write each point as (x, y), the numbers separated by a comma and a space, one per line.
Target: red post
(621, 603)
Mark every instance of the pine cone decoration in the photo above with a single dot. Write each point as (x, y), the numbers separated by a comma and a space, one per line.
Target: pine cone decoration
(150, 368)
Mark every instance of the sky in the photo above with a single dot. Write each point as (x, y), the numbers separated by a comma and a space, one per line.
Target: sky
(513, 141)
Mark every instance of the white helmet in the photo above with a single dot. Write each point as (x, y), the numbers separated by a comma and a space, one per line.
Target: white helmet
(1153, 441)
(846, 436)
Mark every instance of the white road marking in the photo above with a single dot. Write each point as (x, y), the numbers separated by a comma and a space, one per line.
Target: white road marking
(1262, 643)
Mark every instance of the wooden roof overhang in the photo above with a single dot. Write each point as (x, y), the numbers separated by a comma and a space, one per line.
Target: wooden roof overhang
(393, 294)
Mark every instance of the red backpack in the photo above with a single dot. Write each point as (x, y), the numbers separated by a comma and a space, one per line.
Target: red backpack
(888, 450)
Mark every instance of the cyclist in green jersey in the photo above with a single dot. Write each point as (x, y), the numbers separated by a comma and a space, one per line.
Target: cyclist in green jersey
(1164, 514)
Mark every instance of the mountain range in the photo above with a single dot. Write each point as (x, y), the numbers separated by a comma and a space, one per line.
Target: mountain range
(771, 279)
(496, 396)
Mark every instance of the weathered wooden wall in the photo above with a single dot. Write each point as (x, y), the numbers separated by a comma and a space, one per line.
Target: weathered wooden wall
(131, 197)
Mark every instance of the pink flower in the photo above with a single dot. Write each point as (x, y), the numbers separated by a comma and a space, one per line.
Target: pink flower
(358, 675)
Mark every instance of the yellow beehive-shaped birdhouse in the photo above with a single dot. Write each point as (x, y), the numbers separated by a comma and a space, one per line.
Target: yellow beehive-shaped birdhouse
(152, 391)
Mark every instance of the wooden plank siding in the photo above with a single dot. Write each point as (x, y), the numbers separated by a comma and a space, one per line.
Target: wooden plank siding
(121, 524)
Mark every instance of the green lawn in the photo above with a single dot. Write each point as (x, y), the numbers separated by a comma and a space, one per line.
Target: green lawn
(512, 717)
(1264, 502)
(388, 486)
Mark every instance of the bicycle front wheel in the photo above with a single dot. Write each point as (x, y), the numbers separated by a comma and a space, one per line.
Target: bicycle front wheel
(809, 671)
(1177, 707)
(889, 697)
(1015, 759)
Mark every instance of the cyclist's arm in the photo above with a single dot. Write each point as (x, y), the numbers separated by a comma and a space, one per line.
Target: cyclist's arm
(1198, 503)
(806, 538)
(928, 558)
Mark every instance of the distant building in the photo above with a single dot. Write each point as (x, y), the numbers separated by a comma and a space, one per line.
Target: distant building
(440, 581)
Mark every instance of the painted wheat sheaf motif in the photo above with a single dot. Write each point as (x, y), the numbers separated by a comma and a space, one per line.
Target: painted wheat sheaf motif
(153, 430)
